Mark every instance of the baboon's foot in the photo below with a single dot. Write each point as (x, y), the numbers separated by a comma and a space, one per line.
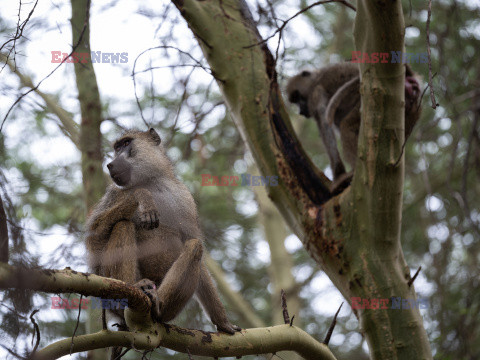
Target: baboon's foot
(150, 289)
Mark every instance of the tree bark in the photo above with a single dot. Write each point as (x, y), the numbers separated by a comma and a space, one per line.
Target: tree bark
(90, 139)
(377, 190)
(147, 335)
(354, 237)
(90, 107)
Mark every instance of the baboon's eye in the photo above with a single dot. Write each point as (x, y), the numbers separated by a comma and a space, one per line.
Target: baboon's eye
(122, 144)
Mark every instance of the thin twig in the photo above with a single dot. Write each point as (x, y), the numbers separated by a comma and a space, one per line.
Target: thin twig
(197, 64)
(432, 94)
(332, 326)
(19, 32)
(104, 319)
(122, 354)
(410, 282)
(291, 321)
(46, 77)
(78, 321)
(36, 331)
(285, 22)
(286, 317)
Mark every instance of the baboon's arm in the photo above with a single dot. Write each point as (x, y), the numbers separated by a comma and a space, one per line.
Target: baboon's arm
(105, 215)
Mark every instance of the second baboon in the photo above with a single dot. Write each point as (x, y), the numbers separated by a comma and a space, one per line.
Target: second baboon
(349, 124)
(145, 231)
(312, 91)
(332, 95)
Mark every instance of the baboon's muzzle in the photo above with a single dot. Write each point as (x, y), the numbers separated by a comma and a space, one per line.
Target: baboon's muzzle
(120, 171)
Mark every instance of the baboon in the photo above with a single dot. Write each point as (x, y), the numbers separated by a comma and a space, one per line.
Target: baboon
(145, 231)
(312, 91)
(349, 125)
(332, 95)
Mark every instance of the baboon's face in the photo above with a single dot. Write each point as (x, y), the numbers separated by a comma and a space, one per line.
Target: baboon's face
(297, 91)
(120, 168)
(138, 159)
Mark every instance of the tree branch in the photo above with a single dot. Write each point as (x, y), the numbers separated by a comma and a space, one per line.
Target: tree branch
(71, 281)
(3, 234)
(146, 335)
(196, 342)
(67, 125)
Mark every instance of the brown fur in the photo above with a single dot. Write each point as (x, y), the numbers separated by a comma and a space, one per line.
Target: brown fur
(148, 229)
(332, 96)
(349, 125)
(312, 91)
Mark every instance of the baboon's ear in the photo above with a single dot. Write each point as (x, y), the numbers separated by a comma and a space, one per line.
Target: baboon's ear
(155, 136)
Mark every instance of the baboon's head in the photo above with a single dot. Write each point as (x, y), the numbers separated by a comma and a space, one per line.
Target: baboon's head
(139, 159)
(298, 89)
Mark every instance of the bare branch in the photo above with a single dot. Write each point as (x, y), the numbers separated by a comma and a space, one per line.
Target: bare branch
(34, 88)
(147, 335)
(196, 342)
(3, 234)
(332, 326)
(76, 326)
(285, 22)
(67, 125)
(197, 64)
(19, 32)
(410, 282)
(36, 333)
(432, 94)
(286, 317)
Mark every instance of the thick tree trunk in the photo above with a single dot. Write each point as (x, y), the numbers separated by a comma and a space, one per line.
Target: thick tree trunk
(354, 237)
(378, 189)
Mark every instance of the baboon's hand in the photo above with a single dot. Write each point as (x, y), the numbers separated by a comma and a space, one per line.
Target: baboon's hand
(147, 212)
(150, 289)
(149, 219)
(228, 328)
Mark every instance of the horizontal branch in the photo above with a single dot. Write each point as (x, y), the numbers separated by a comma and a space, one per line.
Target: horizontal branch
(71, 281)
(196, 342)
(150, 336)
